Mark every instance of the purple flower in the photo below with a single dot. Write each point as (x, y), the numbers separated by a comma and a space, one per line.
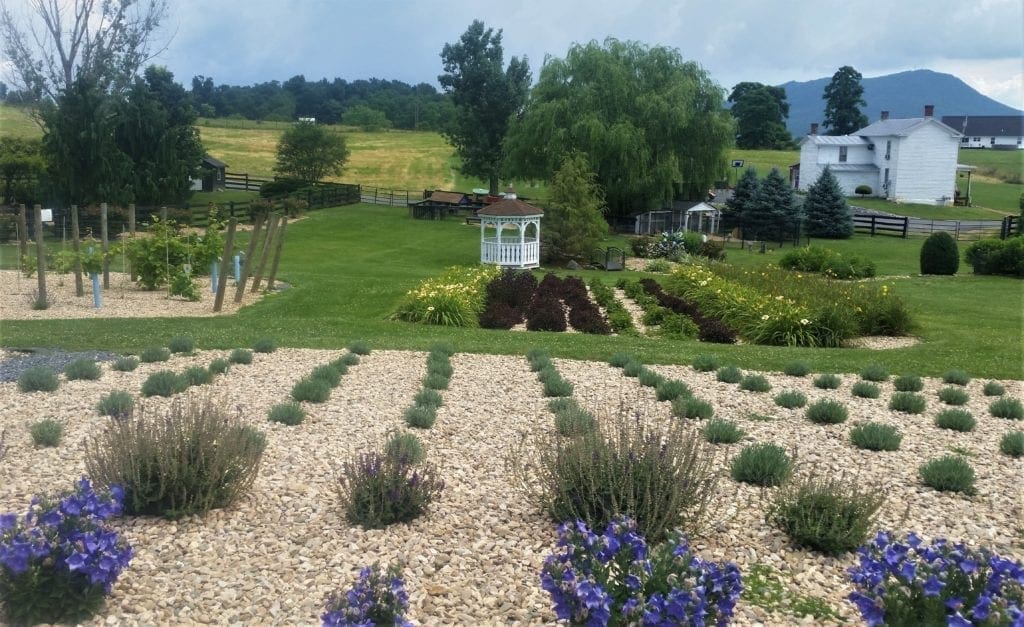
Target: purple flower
(932, 586)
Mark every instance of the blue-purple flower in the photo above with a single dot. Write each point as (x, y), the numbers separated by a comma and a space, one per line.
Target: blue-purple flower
(377, 598)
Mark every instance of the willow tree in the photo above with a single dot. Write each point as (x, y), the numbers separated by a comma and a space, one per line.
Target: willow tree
(651, 124)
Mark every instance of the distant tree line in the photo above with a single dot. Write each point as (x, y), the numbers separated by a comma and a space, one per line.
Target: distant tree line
(397, 104)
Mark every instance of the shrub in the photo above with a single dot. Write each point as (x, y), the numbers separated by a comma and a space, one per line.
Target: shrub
(827, 381)
(154, 354)
(791, 399)
(705, 363)
(349, 359)
(618, 360)
(420, 416)
(545, 313)
(1012, 444)
(729, 374)
(197, 375)
(761, 464)
(38, 379)
(311, 390)
(164, 383)
(428, 398)
(875, 436)
(46, 432)
(633, 369)
(74, 559)
(557, 387)
(948, 474)
(993, 389)
(832, 515)
(572, 420)
(194, 457)
(404, 447)
(953, 396)
(671, 389)
(264, 345)
(908, 383)
(289, 414)
(956, 377)
(82, 370)
(219, 366)
(359, 348)
(796, 369)
(1006, 407)
(610, 579)
(585, 317)
(377, 490)
(649, 378)
(125, 364)
(826, 411)
(939, 254)
(997, 256)
(719, 431)
(240, 356)
(865, 389)
(876, 373)
(181, 344)
(716, 332)
(440, 367)
(328, 374)
(377, 598)
(442, 349)
(117, 404)
(658, 265)
(955, 419)
(435, 382)
(755, 383)
(499, 315)
(691, 407)
(907, 402)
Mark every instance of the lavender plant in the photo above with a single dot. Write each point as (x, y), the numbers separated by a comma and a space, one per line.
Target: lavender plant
(612, 578)
(59, 562)
(912, 583)
(378, 490)
(377, 598)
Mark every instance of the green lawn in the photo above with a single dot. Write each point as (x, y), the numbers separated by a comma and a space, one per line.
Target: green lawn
(933, 212)
(351, 266)
(1006, 165)
(14, 122)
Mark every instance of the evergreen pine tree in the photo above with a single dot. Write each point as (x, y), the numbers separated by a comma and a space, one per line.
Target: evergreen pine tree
(775, 216)
(827, 214)
(738, 207)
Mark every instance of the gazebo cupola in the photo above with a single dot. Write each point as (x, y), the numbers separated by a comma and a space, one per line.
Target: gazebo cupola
(510, 233)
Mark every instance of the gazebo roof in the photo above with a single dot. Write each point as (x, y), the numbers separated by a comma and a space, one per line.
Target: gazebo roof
(510, 208)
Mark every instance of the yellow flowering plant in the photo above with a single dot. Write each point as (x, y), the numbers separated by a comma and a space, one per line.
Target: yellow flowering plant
(454, 298)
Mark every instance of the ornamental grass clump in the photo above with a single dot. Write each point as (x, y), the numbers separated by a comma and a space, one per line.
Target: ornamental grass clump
(761, 464)
(328, 374)
(38, 379)
(46, 432)
(289, 414)
(60, 561)
(311, 390)
(671, 389)
(729, 374)
(705, 363)
(420, 417)
(240, 356)
(125, 364)
(538, 359)
(663, 474)
(833, 515)
(865, 389)
(348, 359)
(632, 369)
(827, 382)
(719, 431)
(377, 490)
(154, 354)
(755, 383)
(1012, 444)
(404, 447)
(615, 578)
(264, 345)
(875, 372)
(649, 378)
(956, 377)
(955, 420)
(796, 369)
(1006, 407)
(181, 344)
(908, 383)
(954, 396)
(192, 457)
(116, 404)
(827, 411)
(219, 366)
(692, 407)
(359, 347)
(992, 388)
(377, 598)
(557, 387)
(909, 582)
(164, 383)
(197, 375)
(435, 382)
(791, 399)
(83, 370)
(950, 473)
(618, 360)
(571, 419)
(428, 398)
(876, 436)
(907, 402)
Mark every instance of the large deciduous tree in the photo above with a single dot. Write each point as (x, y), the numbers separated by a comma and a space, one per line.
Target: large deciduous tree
(574, 216)
(486, 95)
(651, 124)
(844, 96)
(825, 208)
(309, 152)
(760, 111)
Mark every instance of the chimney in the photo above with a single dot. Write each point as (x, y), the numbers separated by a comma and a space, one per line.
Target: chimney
(929, 111)
(814, 128)
(885, 115)
(510, 194)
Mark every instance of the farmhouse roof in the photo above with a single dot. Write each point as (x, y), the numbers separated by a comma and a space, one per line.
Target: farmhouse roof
(451, 198)
(835, 140)
(991, 125)
(213, 162)
(900, 127)
(511, 208)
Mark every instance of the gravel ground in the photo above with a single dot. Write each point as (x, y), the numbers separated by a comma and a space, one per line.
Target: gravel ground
(13, 363)
(272, 557)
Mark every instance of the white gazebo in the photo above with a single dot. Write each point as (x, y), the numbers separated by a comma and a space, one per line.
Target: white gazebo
(510, 233)
(700, 212)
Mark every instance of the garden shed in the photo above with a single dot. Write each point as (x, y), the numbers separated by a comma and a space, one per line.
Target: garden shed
(437, 204)
(684, 215)
(213, 171)
(510, 233)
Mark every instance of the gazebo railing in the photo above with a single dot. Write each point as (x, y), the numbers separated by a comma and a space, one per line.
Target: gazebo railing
(509, 252)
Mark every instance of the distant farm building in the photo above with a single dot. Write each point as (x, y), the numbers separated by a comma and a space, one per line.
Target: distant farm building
(1002, 132)
(212, 175)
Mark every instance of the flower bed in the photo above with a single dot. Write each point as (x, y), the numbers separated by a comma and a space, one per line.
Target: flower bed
(455, 298)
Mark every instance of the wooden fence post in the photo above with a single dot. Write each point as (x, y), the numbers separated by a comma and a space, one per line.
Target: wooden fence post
(42, 302)
(163, 214)
(225, 261)
(22, 233)
(271, 230)
(131, 219)
(76, 246)
(249, 252)
(277, 252)
(104, 245)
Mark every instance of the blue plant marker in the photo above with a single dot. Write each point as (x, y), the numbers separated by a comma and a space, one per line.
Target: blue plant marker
(97, 299)
(214, 272)
(238, 269)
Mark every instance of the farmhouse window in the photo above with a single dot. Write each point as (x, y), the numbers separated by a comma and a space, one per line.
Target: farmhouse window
(888, 148)
(842, 154)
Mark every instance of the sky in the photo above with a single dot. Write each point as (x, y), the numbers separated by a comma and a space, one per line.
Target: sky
(241, 42)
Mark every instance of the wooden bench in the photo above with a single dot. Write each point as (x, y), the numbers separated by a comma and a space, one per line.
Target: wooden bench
(472, 219)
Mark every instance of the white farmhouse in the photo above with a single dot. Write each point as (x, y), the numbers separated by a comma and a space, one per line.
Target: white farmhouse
(905, 160)
(988, 131)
